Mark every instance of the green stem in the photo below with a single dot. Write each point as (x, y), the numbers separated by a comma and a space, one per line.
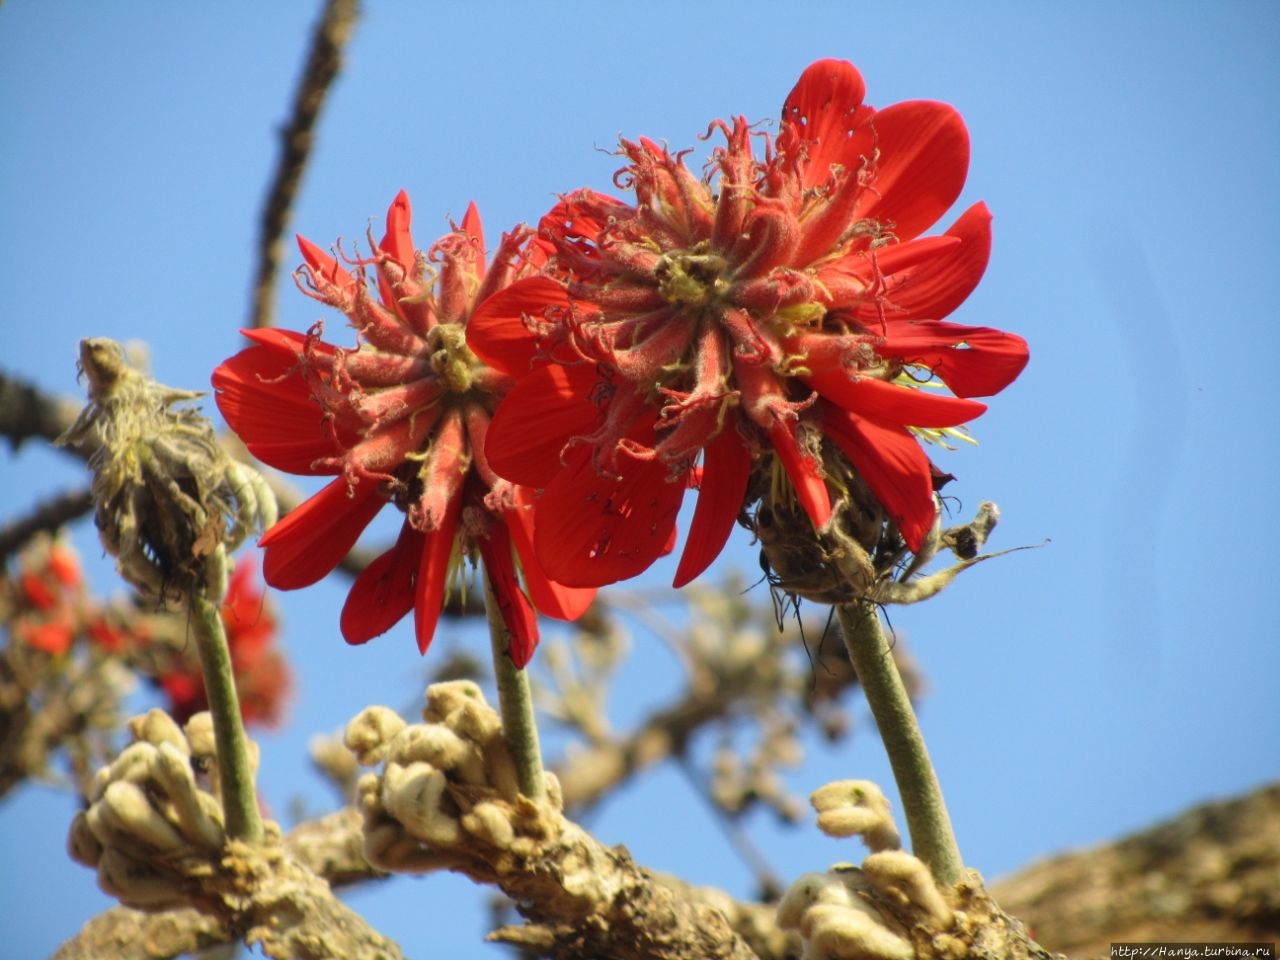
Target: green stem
(235, 773)
(932, 839)
(515, 703)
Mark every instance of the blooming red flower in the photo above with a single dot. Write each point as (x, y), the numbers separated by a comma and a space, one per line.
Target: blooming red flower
(399, 419)
(782, 304)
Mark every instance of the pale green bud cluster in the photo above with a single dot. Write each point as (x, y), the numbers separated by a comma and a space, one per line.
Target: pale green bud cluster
(446, 786)
(151, 830)
(874, 912)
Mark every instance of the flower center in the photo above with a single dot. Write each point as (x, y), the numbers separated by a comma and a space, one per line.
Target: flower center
(691, 278)
(451, 358)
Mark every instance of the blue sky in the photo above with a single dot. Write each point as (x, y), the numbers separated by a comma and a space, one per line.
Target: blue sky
(1129, 152)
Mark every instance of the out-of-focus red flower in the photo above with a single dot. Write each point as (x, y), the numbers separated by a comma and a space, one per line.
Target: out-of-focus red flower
(399, 419)
(784, 303)
(106, 635)
(263, 680)
(250, 624)
(45, 609)
(38, 590)
(52, 636)
(64, 565)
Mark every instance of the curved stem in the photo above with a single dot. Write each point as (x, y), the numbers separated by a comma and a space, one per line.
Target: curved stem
(515, 703)
(932, 839)
(235, 772)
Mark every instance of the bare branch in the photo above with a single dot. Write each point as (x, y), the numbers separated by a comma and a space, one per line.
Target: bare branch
(46, 517)
(323, 64)
(1209, 875)
(26, 411)
(127, 934)
(266, 898)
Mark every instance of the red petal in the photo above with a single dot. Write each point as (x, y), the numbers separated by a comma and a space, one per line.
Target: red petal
(824, 104)
(923, 161)
(551, 598)
(940, 284)
(323, 264)
(271, 410)
(517, 612)
(288, 342)
(536, 419)
(474, 229)
(383, 593)
(869, 284)
(972, 361)
(398, 244)
(595, 530)
(805, 473)
(891, 462)
(497, 332)
(433, 574)
(398, 241)
(919, 278)
(891, 402)
(315, 536)
(726, 469)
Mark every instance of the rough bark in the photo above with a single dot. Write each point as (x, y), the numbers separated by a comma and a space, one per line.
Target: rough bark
(1211, 874)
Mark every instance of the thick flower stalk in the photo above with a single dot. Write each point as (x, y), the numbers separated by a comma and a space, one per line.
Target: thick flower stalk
(400, 419)
(771, 330)
(262, 675)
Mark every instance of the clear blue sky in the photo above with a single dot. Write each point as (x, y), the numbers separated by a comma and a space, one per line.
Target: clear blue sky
(1129, 153)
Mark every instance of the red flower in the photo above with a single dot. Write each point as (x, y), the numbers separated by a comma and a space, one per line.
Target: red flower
(107, 636)
(744, 319)
(46, 606)
(401, 419)
(54, 637)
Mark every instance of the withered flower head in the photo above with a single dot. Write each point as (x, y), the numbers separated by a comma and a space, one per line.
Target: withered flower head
(169, 502)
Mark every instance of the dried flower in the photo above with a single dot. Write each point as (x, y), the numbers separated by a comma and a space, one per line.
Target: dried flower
(399, 419)
(769, 330)
(169, 502)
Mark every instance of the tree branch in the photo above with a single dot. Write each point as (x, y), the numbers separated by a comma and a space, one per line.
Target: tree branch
(330, 37)
(447, 796)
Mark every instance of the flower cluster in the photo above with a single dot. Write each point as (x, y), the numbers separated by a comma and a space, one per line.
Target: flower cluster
(43, 600)
(400, 419)
(49, 609)
(780, 311)
(770, 332)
